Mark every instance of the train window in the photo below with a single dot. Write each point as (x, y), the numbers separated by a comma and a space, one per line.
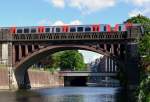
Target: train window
(72, 29)
(47, 30)
(19, 30)
(57, 29)
(104, 28)
(33, 30)
(53, 30)
(87, 29)
(26, 30)
(80, 29)
(120, 28)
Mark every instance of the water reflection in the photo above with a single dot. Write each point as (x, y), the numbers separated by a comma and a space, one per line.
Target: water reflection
(67, 94)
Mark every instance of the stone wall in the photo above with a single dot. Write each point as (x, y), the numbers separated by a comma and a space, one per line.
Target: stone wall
(4, 80)
(38, 79)
(43, 79)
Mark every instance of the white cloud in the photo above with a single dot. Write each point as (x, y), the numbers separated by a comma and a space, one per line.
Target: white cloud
(139, 2)
(44, 22)
(135, 12)
(57, 3)
(90, 56)
(85, 6)
(60, 23)
(141, 7)
(89, 6)
(75, 22)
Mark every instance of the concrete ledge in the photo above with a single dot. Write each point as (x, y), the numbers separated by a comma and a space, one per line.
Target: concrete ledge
(4, 87)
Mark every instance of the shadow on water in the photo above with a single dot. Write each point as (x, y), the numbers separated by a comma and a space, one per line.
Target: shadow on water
(121, 95)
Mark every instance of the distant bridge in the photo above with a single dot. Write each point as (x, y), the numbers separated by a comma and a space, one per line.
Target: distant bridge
(85, 73)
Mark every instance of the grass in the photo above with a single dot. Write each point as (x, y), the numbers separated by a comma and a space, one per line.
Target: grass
(2, 65)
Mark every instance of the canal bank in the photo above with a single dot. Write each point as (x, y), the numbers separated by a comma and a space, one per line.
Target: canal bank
(38, 79)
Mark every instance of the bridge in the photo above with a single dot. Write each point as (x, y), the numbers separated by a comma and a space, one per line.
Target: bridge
(22, 47)
(86, 73)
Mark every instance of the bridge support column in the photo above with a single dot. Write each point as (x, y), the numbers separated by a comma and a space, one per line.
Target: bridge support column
(22, 78)
(0, 51)
(12, 79)
(118, 49)
(105, 47)
(132, 61)
(33, 48)
(26, 50)
(20, 52)
(11, 60)
(112, 48)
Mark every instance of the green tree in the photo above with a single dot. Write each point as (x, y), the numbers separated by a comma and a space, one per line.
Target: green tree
(55, 60)
(144, 50)
(144, 43)
(71, 60)
(67, 60)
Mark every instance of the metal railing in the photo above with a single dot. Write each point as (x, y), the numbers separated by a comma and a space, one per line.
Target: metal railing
(71, 36)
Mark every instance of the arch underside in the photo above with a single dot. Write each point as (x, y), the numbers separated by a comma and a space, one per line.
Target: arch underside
(37, 55)
(22, 66)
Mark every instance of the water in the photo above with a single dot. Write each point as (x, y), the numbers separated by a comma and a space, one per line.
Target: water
(64, 94)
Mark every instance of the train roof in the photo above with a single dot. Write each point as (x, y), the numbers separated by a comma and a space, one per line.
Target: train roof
(64, 25)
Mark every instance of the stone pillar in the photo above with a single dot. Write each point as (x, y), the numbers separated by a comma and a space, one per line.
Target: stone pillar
(106, 66)
(13, 55)
(0, 51)
(5, 52)
(132, 61)
(118, 49)
(20, 52)
(105, 47)
(11, 68)
(112, 48)
(26, 80)
(26, 50)
(33, 48)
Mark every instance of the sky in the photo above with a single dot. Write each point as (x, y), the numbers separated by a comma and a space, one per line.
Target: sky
(59, 12)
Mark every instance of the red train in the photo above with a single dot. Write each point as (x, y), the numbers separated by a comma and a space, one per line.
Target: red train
(69, 28)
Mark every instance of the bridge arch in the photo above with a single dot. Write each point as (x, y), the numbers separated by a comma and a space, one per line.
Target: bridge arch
(22, 66)
(41, 53)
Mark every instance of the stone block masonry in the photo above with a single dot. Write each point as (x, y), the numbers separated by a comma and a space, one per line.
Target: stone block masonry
(4, 80)
(44, 79)
(38, 79)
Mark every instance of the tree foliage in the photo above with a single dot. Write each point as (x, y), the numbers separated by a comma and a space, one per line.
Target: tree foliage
(144, 43)
(67, 60)
(144, 50)
(71, 60)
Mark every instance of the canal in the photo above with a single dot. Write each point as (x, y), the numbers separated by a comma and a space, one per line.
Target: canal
(62, 94)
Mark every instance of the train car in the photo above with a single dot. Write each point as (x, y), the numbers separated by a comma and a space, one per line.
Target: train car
(13, 30)
(119, 27)
(69, 28)
(96, 28)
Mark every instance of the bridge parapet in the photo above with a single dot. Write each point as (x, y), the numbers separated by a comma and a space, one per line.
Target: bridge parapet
(130, 33)
(71, 36)
(5, 35)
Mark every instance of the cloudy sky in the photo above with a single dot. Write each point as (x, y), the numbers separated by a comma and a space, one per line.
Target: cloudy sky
(58, 12)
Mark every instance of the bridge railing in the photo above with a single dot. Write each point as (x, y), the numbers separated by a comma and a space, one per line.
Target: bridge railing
(71, 36)
(5, 35)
